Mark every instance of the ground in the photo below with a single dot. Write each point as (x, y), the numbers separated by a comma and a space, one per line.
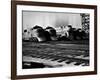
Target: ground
(56, 53)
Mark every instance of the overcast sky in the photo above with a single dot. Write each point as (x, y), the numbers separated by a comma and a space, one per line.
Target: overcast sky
(31, 18)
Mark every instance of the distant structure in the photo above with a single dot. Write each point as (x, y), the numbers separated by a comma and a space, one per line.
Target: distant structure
(85, 22)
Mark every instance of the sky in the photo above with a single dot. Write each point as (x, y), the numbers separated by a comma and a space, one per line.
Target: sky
(53, 19)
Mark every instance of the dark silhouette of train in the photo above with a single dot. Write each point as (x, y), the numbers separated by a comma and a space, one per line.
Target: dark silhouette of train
(39, 34)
